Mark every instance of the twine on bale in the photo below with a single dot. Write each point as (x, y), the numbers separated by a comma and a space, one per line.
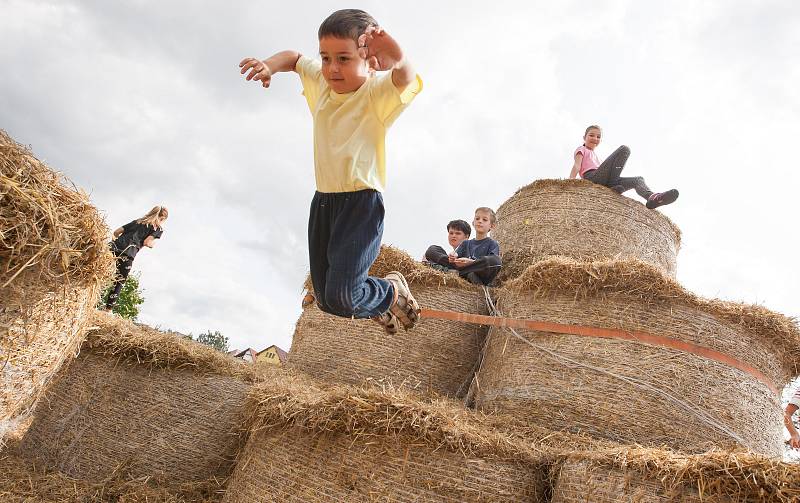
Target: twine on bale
(699, 414)
(631, 296)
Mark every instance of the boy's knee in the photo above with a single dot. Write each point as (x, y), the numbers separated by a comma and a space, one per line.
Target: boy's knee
(433, 251)
(494, 260)
(625, 149)
(338, 299)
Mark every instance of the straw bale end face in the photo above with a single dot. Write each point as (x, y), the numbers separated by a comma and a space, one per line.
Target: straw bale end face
(703, 377)
(436, 355)
(146, 402)
(54, 258)
(581, 220)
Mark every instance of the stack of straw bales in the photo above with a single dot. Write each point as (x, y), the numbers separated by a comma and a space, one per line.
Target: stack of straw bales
(54, 259)
(141, 402)
(342, 443)
(436, 355)
(581, 220)
(622, 390)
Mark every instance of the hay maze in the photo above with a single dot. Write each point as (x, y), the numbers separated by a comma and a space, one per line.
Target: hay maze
(95, 409)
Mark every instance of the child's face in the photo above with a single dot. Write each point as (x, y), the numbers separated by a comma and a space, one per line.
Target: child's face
(342, 66)
(455, 237)
(592, 138)
(483, 222)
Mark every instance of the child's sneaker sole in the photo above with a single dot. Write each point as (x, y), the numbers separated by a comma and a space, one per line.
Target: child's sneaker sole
(388, 321)
(664, 198)
(405, 306)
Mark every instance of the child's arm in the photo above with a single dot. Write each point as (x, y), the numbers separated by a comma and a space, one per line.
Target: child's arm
(384, 53)
(118, 232)
(149, 241)
(576, 166)
(283, 61)
(794, 441)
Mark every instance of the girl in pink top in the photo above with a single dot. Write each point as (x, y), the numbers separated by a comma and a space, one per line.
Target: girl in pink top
(608, 172)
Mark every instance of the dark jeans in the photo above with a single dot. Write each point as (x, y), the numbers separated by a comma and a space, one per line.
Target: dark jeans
(608, 174)
(482, 271)
(344, 239)
(124, 264)
(436, 255)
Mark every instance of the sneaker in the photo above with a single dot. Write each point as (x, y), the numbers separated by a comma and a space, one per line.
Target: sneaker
(405, 306)
(437, 267)
(661, 198)
(388, 321)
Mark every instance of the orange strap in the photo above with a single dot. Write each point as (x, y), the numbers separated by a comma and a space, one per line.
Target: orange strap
(606, 333)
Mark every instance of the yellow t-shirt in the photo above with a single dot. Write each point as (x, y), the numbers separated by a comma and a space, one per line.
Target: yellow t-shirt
(350, 129)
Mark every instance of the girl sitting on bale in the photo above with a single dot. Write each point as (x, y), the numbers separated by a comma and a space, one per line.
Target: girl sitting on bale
(128, 240)
(608, 173)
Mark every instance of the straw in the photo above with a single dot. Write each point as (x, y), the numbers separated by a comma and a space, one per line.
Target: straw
(156, 403)
(581, 220)
(435, 356)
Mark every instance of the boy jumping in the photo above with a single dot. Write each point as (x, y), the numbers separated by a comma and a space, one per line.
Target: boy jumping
(351, 109)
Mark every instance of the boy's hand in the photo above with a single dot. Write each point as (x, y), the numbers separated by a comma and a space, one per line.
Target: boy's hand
(794, 442)
(379, 49)
(462, 262)
(452, 257)
(258, 70)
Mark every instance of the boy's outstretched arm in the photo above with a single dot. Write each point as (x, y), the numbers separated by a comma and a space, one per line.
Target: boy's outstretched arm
(384, 53)
(283, 61)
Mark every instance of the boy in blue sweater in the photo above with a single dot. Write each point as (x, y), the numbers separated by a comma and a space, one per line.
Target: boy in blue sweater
(478, 260)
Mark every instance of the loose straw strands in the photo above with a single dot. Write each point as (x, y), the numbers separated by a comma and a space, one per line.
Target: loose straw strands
(22, 481)
(136, 343)
(49, 232)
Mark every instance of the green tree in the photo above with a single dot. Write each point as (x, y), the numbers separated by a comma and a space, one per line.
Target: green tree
(129, 300)
(214, 339)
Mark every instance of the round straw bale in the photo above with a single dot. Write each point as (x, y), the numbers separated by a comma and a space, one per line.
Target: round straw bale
(144, 403)
(628, 391)
(22, 481)
(582, 220)
(54, 258)
(580, 481)
(628, 474)
(337, 467)
(348, 444)
(435, 355)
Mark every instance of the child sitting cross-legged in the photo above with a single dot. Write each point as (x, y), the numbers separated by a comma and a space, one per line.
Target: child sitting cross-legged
(436, 257)
(478, 260)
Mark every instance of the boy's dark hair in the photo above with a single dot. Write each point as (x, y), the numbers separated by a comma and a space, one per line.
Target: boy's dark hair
(346, 23)
(460, 225)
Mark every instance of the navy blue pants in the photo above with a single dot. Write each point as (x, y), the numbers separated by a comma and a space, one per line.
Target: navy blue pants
(344, 239)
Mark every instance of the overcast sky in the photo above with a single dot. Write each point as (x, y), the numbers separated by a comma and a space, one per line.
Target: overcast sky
(141, 103)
